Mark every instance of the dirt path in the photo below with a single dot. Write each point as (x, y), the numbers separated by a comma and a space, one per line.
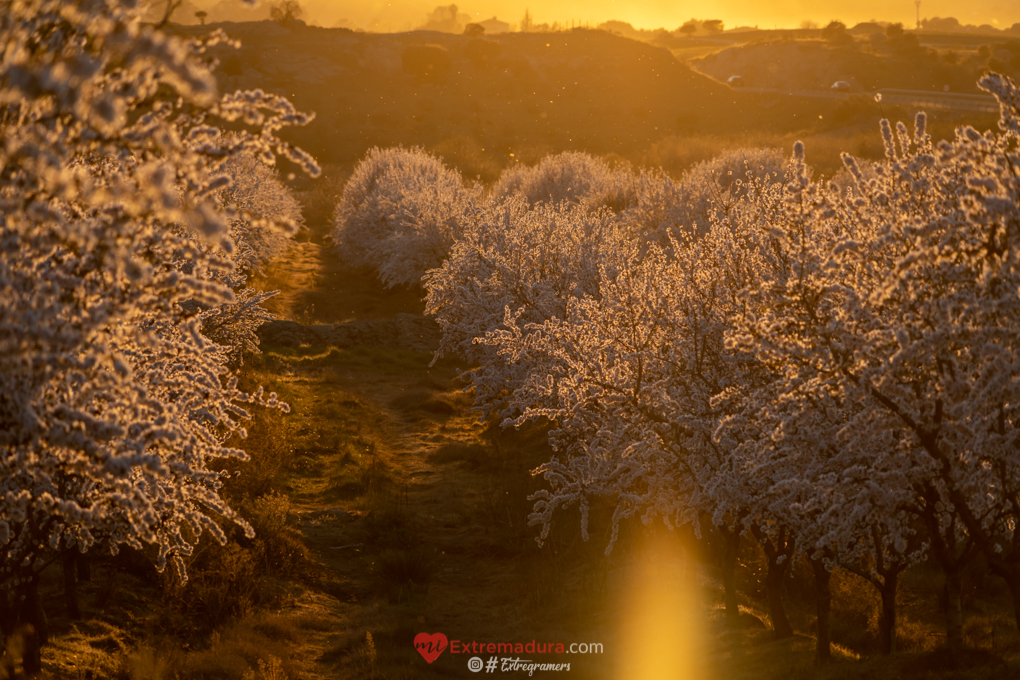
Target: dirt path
(393, 485)
(416, 514)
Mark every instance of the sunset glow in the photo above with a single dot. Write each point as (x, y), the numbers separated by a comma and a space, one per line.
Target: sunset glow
(402, 15)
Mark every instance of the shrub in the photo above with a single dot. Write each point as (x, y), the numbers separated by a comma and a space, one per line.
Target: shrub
(401, 212)
(226, 582)
(518, 261)
(572, 176)
(269, 454)
(282, 549)
(266, 212)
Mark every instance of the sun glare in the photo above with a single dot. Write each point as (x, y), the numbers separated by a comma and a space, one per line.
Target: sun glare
(660, 636)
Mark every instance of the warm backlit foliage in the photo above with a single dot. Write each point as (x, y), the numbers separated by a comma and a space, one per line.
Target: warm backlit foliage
(401, 212)
(118, 260)
(830, 368)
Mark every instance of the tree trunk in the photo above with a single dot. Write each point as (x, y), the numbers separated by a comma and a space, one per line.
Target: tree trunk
(823, 609)
(731, 551)
(692, 546)
(781, 627)
(70, 583)
(887, 622)
(779, 554)
(953, 557)
(1009, 572)
(81, 561)
(954, 611)
(34, 629)
(8, 623)
(1012, 579)
(691, 575)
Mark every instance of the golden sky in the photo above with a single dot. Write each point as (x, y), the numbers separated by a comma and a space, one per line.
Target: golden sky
(398, 15)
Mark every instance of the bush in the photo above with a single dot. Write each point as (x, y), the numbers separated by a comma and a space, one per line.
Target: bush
(401, 212)
(572, 177)
(266, 211)
(282, 549)
(359, 473)
(269, 454)
(225, 582)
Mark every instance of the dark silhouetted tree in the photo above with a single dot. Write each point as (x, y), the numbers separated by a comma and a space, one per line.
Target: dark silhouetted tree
(713, 26)
(941, 25)
(201, 15)
(446, 19)
(171, 7)
(527, 23)
(482, 53)
(474, 29)
(689, 28)
(835, 32)
(286, 11)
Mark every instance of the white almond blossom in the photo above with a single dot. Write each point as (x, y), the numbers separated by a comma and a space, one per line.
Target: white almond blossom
(114, 255)
(401, 212)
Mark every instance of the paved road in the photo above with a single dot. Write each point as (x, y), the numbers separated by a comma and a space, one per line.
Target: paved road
(931, 100)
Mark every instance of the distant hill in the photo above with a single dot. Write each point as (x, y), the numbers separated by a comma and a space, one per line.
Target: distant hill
(868, 64)
(483, 103)
(520, 92)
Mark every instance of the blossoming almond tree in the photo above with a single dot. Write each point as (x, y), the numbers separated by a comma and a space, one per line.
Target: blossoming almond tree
(842, 502)
(631, 379)
(112, 401)
(663, 207)
(530, 260)
(401, 212)
(907, 309)
(571, 176)
(265, 212)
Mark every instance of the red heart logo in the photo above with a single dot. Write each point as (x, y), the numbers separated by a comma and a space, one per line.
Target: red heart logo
(430, 646)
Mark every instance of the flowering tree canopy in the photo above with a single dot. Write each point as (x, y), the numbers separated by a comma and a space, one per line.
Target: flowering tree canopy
(572, 176)
(114, 252)
(401, 212)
